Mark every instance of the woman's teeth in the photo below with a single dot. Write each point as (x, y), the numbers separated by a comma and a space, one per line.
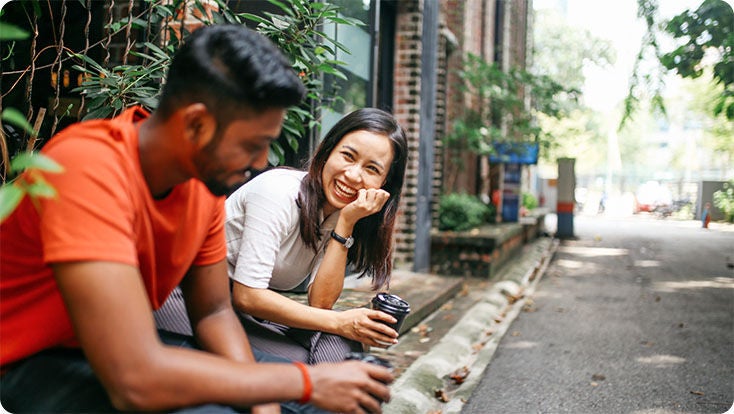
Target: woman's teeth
(345, 191)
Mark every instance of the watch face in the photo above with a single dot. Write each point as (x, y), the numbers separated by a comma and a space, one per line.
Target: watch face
(348, 242)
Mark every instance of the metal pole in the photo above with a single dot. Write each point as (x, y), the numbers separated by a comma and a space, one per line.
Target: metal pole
(429, 63)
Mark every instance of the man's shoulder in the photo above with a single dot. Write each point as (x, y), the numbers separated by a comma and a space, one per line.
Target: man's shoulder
(115, 134)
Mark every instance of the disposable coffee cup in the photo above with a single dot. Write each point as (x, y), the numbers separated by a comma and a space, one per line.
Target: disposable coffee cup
(394, 306)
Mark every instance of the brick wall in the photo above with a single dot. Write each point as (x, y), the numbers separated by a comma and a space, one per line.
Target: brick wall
(406, 104)
(466, 26)
(461, 30)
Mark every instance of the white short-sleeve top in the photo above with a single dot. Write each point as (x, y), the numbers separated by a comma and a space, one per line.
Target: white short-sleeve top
(264, 245)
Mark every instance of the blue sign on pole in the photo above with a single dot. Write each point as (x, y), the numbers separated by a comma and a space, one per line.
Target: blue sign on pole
(515, 152)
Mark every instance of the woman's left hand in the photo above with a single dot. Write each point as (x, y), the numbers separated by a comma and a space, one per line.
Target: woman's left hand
(369, 201)
(367, 326)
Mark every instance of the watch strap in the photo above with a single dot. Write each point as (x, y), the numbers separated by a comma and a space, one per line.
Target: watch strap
(346, 241)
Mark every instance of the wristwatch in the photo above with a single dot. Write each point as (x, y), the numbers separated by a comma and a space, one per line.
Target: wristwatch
(347, 242)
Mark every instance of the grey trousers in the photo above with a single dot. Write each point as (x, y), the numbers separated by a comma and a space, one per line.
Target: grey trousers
(268, 337)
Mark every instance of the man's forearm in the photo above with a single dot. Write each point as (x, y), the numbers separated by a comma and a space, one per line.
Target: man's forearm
(221, 333)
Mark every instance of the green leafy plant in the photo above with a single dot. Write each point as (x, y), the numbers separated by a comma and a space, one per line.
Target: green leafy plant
(296, 30)
(698, 32)
(499, 111)
(110, 91)
(724, 200)
(31, 184)
(529, 201)
(459, 212)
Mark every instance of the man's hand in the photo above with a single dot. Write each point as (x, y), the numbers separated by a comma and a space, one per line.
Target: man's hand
(350, 387)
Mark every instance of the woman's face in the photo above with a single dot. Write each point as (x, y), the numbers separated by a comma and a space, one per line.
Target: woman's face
(361, 159)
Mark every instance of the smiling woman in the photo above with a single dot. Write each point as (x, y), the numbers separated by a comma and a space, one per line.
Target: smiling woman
(297, 231)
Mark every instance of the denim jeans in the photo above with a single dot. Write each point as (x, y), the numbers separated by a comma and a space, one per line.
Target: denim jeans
(61, 380)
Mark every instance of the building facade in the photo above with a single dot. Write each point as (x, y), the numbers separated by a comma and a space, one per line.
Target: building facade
(404, 59)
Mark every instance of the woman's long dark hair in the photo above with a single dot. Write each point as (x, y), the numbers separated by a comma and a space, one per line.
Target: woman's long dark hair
(373, 235)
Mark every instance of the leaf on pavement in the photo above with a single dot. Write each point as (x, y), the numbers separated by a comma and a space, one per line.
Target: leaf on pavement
(460, 374)
(441, 395)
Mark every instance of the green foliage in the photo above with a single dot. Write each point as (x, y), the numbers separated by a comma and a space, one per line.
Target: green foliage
(501, 113)
(298, 31)
(529, 201)
(724, 200)
(31, 183)
(459, 212)
(710, 27)
(563, 51)
(111, 91)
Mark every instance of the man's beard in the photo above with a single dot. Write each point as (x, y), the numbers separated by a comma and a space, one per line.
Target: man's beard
(218, 188)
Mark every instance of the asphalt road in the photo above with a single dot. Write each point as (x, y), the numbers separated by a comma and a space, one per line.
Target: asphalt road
(635, 316)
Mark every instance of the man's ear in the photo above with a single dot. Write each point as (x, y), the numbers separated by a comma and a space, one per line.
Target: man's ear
(199, 125)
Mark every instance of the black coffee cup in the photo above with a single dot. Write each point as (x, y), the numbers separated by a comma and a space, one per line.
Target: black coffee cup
(394, 306)
(371, 359)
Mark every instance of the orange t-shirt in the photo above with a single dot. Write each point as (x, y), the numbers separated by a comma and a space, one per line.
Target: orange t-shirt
(103, 212)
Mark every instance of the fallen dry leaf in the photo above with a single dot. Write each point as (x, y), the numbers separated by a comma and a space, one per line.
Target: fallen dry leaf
(697, 392)
(594, 384)
(514, 298)
(460, 374)
(529, 307)
(598, 377)
(422, 329)
(478, 346)
(441, 395)
(515, 333)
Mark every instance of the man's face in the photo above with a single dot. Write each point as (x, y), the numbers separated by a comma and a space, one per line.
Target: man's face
(242, 145)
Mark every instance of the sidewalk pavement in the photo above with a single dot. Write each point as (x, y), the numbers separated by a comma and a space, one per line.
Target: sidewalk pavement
(455, 327)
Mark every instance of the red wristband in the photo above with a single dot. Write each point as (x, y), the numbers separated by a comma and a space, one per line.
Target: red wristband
(307, 387)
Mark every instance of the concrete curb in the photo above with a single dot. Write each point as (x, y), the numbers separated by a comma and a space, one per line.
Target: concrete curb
(427, 385)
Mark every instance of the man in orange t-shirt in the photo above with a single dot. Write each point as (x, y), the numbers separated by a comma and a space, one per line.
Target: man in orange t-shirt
(140, 211)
